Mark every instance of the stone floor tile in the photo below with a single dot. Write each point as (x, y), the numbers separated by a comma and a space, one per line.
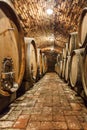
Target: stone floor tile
(46, 126)
(41, 117)
(33, 126)
(48, 104)
(59, 126)
(27, 110)
(40, 105)
(73, 123)
(57, 110)
(81, 118)
(36, 110)
(57, 118)
(40, 100)
(35, 118)
(56, 104)
(71, 113)
(21, 122)
(6, 124)
(84, 125)
(46, 117)
(4, 117)
(14, 115)
(47, 110)
(75, 106)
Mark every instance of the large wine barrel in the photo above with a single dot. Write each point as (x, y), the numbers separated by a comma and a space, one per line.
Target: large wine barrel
(84, 71)
(45, 58)
(73, 42)
(39, 63)
(57, 68)
(63, 68)
(44, 63)
(31, 62)
(83, 28)
(67, 69)
(59, 57)
(75, 68)
(9, 2)
(65, 51)
(60, 68)
(12, 53)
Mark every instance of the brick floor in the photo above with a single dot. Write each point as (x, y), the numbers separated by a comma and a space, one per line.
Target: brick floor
(49, 105)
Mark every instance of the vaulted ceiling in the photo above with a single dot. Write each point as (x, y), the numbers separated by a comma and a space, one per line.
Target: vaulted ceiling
(43, 27)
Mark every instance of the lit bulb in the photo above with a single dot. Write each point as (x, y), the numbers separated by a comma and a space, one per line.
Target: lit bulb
(52, 48)
(49, 11)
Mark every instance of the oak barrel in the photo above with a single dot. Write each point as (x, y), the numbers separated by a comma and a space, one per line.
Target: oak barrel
(60, 68)
(83, 28)
(12, 53)
(76, 67)
(65, 51)
(84, 71)
(57, 68)
(63, 68)
(9, 2)
(73, 42)
(67, 69)
(59, 57)
(44, 63)
(39, 63)
(31, 61)
(11, 49)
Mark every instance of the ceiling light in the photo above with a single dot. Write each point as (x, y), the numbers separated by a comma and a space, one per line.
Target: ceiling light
(51, 37)
(52, 48)
(49, 11)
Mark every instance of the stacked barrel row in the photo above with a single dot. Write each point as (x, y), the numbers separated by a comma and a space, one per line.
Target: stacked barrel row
(21, 62)
(58, 65)
(74, 58)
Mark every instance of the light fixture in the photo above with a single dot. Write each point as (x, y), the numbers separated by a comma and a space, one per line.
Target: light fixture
(49, 11)
(51, 37)
(52, 48)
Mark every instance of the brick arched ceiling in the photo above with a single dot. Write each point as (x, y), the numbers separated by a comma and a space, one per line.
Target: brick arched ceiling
(38, 24)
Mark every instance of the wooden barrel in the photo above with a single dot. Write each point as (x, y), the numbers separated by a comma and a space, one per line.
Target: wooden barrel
(59, 63)
(84, 71)
(59, 57)
(57, 68)
(9, 2)
(73, 42)
(44, 63)
(63, 68)
(67, 69)
(60, 68)
(65, 51)
(39, 63)
(31, 61)
(83, 28)
(11, 48)
(12, 53)
(75, 67)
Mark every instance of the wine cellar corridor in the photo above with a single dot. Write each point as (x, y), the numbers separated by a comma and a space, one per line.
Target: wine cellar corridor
(43, 64)
(50, 105)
